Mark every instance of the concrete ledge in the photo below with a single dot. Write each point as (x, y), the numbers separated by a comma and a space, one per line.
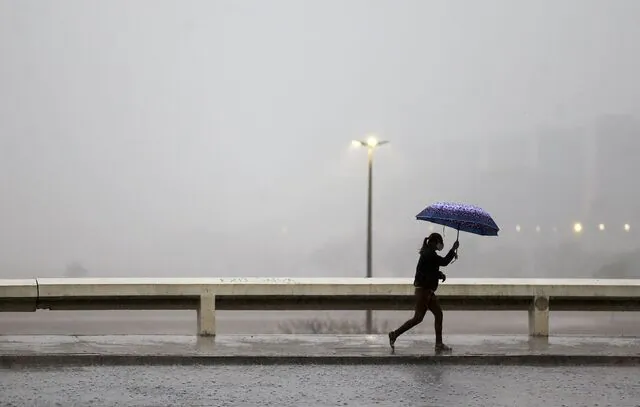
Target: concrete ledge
(55, 351)
(58, 360)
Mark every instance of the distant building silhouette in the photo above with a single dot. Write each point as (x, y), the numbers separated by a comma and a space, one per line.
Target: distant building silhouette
(616, 165)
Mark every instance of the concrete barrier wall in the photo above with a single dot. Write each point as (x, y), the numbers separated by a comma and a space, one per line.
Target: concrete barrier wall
(98, 287)
(120, 287)
(537, 296)
(18, 295)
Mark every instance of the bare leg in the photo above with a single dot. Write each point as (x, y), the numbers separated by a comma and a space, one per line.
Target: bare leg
(436, 309)
(422, 296)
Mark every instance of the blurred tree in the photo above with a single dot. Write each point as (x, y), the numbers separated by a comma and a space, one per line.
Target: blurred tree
(75, 269)
(621, 266)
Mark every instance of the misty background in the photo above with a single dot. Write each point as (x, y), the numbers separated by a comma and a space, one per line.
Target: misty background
(212, 138)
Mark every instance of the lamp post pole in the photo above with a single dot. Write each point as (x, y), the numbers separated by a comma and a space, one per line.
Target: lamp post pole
(371, 143)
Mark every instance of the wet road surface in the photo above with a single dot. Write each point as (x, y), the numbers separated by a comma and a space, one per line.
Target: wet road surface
(293, 385)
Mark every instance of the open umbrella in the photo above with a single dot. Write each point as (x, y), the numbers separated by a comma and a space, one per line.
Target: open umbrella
(462, 217)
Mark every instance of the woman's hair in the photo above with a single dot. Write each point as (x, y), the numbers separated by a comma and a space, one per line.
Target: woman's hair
(431, 240)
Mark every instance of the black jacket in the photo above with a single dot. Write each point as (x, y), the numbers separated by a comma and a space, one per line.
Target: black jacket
(428, 268)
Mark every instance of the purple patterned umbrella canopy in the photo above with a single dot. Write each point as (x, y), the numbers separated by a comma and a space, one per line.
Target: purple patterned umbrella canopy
(462, 217)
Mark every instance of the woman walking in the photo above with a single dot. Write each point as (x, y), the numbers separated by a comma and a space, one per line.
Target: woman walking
(426, 283)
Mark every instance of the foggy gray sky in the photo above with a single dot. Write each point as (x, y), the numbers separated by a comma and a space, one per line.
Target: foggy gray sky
(178, 138)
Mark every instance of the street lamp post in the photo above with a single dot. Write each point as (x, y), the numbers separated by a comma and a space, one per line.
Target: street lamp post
(371, 144)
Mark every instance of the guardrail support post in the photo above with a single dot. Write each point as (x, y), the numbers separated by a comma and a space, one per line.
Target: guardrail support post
(539, 316)
(207, 315)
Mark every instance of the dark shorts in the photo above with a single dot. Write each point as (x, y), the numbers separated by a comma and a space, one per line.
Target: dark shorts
(423, 298)
(429, 285)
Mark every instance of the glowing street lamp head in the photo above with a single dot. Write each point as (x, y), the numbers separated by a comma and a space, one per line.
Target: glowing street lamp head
(601, 226)
(627, 227)
(577, 227)
(518, 228)
(372, 142)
